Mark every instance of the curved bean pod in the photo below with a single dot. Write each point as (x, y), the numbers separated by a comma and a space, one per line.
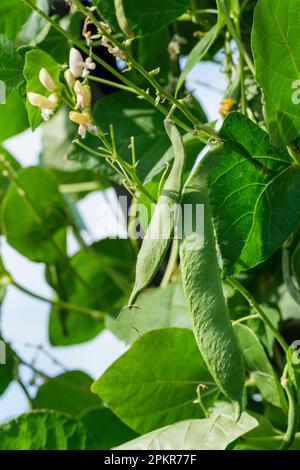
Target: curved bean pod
(161, 227)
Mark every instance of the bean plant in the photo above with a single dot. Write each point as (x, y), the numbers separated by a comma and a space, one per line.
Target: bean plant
(209, 312)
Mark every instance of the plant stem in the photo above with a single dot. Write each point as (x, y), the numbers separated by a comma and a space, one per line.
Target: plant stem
(237, 13)
(111, 83)
(246, 318)
(171, 264)
(29, 399)
(80, 187)
(236, 37)
(61, 303)
(252, 302)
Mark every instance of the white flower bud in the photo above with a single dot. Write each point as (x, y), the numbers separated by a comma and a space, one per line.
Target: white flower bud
(46, 80)
(83, 95)
(76, 62)
(80, 118)
(41, 101)
(85, 122)
(69, 77)
(46, 105)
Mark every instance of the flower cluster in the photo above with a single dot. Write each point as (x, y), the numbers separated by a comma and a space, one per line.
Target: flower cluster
(79, 91)
(47, 104)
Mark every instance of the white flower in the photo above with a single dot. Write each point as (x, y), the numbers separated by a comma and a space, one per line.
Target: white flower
(76, 62)
(77, 65)
(85, 122)
(88, 65)
(83, 95)
(46, 80)
(69, 77)
(46, 105)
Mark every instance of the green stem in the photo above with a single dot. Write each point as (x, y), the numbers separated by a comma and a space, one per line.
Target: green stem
(237, 13)
(111, 83)
(171, 264)
(60, 303)
(252, 302)
(236, 37)
(80, 187)
(26, 393)
(246, 318)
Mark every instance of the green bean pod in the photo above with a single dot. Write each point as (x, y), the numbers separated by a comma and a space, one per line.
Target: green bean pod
(201, 276)
(161, 227)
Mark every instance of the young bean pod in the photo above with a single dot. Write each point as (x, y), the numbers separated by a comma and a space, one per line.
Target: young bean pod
(161, 227)
(212, 327)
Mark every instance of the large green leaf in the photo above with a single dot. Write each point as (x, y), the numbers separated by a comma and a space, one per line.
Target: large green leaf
(277, 61)
(254, 192)
(69, 393)
(144, 18)
(107, 284)
(107, 430)
(11, 65)
(35, 60)
(258, 364)
(213, 433)
(45, 430)
(34, 215)
(13, 116)
(158, 308)
(13, 14)
(154, 383)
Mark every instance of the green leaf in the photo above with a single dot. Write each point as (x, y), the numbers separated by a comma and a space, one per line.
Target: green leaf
(44, 430)
(106, 276)
(11, 65)
(144, 18)
(203, 46)
(107, 430)
(264, 332)
(34, 217)
(13, 14)
(158, 308)
(36, 27)
(13, 116)
(154, 383)
(213, 433)
(254, 194)
(69, 393)
(35, 60)
(197, 53)
(277, 63)
(258, 364)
